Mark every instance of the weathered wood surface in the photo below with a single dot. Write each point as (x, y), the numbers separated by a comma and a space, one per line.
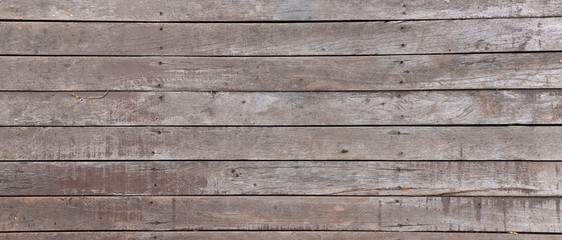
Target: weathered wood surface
(282, 178)
(287, 108)
(293, 10)
(275, 235)
(281, 143)
(479, 71)
(247, 39)
(281, 213)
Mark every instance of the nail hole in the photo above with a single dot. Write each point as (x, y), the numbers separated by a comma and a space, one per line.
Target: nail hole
(404, 13)
(161, 13)
(344, 151)
(402, 28)
(159, 132)
(151, 202)
(161, 97)
(404, 5)
(153, 152)
(159, 85)
(401, 81)
(160, 63)
(243, 101)
(233, 171)
(161, 48)
(407, 71)
(161, 29)
(402, 45)
(397, 201)
(401, 62)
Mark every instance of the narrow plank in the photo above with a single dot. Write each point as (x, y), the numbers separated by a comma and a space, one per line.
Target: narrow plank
(286, 108)
(281, 143)
(482, 71)
(281, 213)
(246, 10)
(274, 235)
(281, 178)
(247, 39)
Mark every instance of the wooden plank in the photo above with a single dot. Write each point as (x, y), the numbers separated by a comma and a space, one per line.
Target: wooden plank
(281, 143)
(236, 108)
(246, 10)
(281, 213)
(412, 72)
(274, 235)
(282, 178)
(247, 39)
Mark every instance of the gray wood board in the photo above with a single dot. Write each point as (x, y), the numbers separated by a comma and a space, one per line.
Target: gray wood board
(274, 235)
(282, 178)
(266, 39)
(262, 10)
(411, 72)
(282, 143)
(282, 108)
(281, 213)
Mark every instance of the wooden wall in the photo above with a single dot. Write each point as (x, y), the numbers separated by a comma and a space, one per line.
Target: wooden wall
(280, 119)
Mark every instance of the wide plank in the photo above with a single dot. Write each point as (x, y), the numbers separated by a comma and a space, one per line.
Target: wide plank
(281, 178)
(282, 143)
(361, 73)
(281, 213)
(286, 108)
(277, 10)
(274, 235)
(267, 39)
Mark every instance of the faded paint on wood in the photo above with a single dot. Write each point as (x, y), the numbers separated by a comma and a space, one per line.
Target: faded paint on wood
(281, 143)
(482, 71)
(293, 10)
(282, 178)
(247, 39)
(273, 235)
(281, 213)
(287, 108)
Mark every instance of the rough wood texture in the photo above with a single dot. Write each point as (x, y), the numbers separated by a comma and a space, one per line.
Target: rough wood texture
(281, 213)
(479, 71)
(262, 10)
(339, 38)
(282, 178)
(336, 108)
(281, 143)
(273, 235)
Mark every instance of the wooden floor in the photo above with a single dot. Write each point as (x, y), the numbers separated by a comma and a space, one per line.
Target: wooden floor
(280, 119)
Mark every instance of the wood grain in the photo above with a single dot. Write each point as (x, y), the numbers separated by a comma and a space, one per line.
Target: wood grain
(262, 10)
(412, 72)
(281, 143)
(266, 39)
(236, 108)
(281, 213)
(275, 235)
(282, 178)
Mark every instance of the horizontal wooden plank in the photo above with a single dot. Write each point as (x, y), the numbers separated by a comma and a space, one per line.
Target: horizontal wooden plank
(303, 108)
(281, 178)
(411, 72)
(247, 39)
(246, 10)
(281, 213)
(274, 235)
(281, 143)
